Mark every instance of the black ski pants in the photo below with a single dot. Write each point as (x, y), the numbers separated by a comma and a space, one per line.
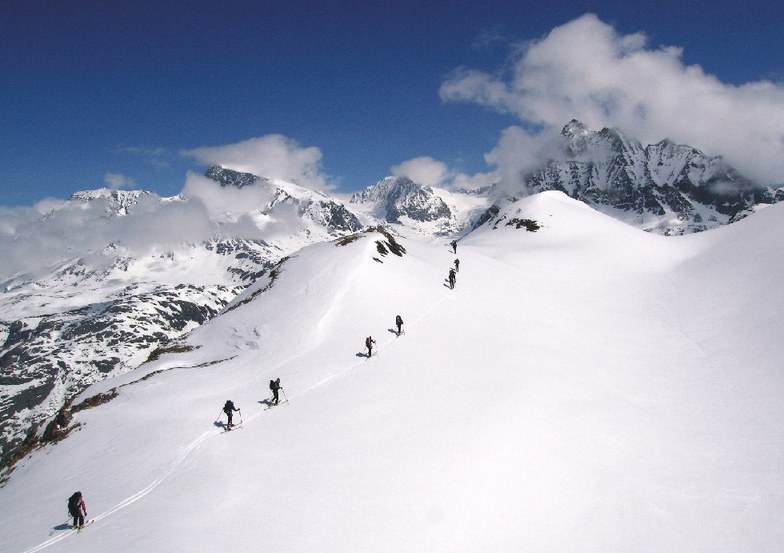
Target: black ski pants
(78, 519)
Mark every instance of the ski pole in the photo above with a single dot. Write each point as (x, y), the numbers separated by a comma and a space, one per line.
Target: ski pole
(219, 414)
(240, 412)
(284, 394)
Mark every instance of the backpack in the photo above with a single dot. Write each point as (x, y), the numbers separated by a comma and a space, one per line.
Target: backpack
(73, 502)
(368, 342)
(398, 320)
(228, 407)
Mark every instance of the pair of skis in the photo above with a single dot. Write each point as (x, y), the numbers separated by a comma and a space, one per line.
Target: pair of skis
(72, 528)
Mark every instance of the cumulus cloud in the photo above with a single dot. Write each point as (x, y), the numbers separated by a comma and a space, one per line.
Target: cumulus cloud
(586, 70)
(272, 156)
(423, 170)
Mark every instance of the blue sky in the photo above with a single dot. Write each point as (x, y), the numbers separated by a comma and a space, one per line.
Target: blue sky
(135, 94)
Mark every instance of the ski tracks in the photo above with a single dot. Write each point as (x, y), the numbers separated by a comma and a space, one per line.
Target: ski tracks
(190, 448)
(138, 495)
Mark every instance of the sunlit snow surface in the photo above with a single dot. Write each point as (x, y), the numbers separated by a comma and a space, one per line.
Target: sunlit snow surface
(587, 387)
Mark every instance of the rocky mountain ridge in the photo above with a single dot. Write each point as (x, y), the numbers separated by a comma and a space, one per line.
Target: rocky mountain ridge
(665, 188)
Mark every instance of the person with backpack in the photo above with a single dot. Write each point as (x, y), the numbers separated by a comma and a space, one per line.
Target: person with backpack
(452, 278)
(77, 509)
(229, 409)
(369, 341)
(275, 386)
(399, 323)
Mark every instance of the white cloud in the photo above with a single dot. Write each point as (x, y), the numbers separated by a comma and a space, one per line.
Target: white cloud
(423, 170)
(225, 204)
(588, 71)
(117, 181)
(58, 230)
(271, 156)
(519, 152)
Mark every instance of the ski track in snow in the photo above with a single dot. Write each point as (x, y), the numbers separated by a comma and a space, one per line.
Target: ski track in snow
(185, 453)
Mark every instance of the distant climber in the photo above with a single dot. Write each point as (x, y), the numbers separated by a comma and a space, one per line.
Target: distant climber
(369, 341)
(452, 278)
(77, 509)
(454, 246)
(229, 409)
(399, 324)
(275, 387)
(457, 265)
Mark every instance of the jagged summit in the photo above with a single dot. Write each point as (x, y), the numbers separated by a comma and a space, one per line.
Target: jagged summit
(575, 128)
(230, 177)
(396, 197)
(118, 202)
(665, 187)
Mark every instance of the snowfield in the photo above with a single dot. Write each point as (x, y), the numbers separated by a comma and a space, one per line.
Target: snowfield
(587, 387)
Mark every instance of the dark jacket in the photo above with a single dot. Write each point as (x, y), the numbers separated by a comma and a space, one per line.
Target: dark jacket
(76, 506)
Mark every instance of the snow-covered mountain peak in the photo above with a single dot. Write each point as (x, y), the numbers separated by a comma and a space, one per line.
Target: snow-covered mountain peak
(394, 199)
(666, 187)
(117, 202)
(232, 178)
(325, 216)
(577, 134)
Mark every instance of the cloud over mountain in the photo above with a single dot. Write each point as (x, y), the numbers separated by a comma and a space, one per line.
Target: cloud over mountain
(272, 156)
(586, 70)
(423, 170)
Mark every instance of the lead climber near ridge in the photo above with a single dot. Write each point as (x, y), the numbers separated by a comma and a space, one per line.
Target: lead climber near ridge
(369, 341)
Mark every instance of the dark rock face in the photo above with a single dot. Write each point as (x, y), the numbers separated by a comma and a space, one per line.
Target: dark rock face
(396, 197)
(675, 188)
(227, 177)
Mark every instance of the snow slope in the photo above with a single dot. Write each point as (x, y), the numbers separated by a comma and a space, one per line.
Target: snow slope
(587, 387)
